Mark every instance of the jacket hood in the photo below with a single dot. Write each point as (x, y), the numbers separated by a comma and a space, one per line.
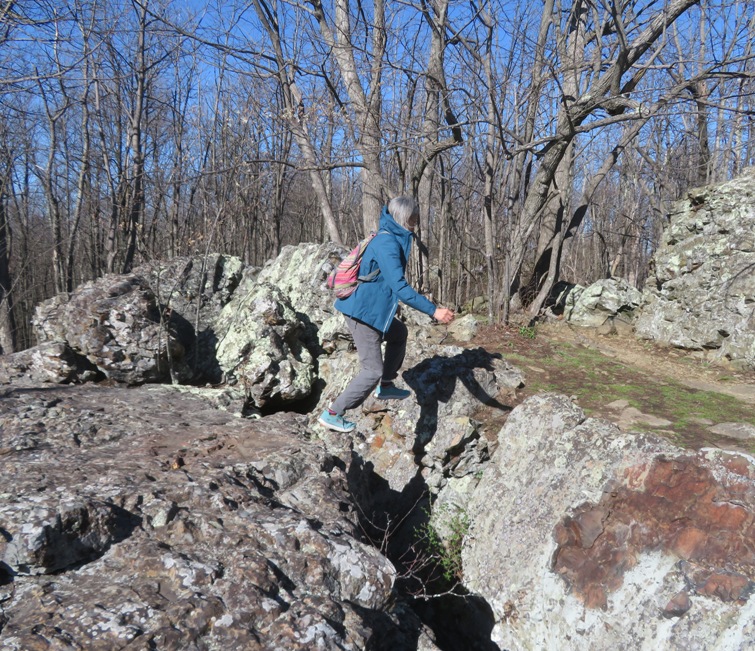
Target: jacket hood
(403, 235)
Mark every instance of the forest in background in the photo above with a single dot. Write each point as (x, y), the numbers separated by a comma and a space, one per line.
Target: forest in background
(544, 140)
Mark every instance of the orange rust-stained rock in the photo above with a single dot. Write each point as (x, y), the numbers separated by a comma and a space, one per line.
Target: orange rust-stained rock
(740, 466)
(673, 505)
(725, 585)
(689, 542)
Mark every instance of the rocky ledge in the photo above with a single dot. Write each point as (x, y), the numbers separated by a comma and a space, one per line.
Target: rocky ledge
(141, 518)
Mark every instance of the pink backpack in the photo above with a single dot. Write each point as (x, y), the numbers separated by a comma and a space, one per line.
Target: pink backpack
(345, 278)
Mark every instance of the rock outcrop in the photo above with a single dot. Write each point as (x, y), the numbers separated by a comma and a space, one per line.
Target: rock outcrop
(116, 323)
(193, 291)
(260, 346)
(610, 303)
(140, 518)
(156, 517)
(584, 536)
(207, 319)
(701, 295)
(299, 273)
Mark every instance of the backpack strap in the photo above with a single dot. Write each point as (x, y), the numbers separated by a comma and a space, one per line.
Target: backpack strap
(373, 274)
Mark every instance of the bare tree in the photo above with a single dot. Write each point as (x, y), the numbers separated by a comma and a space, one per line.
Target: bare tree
(295, 111)
(7, 316)
(605, 89)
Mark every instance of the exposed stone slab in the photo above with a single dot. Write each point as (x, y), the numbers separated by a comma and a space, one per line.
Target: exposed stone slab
(144, 517)
(739, 431)
(701, 295)
(604, 539)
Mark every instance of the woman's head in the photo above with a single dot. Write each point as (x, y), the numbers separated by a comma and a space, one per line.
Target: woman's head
(405, 212)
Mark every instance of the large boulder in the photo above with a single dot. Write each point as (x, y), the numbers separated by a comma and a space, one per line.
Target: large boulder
(584, 536)
(702, 291)
(299, 273)
(202, 319)
(141, 518)
(194, 290)
(197, 287)
(261, 347)
(610, 301)
(115, 322)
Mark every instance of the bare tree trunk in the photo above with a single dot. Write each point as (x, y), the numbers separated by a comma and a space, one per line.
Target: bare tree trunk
(135, 137)
(367, 105)
(7, 320)
(436, 16)
(48, 181)
(82, 184)
(296, 116)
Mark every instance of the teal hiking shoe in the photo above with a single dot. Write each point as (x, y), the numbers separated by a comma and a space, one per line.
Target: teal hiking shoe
(335, 422)
(391, 393)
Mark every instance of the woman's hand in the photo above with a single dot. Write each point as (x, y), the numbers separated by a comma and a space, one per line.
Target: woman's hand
(443, 315)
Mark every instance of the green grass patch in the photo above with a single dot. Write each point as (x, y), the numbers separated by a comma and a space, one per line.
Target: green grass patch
(597, 380)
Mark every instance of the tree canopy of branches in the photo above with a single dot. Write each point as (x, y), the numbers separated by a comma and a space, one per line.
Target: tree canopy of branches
(541, 139)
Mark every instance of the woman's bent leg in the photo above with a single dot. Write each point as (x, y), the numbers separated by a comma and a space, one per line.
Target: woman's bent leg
(367, 341)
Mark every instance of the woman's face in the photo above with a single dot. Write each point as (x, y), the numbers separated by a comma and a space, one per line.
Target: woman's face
(413, 222)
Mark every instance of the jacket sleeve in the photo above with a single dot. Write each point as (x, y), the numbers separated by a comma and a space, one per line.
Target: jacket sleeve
(388, 258)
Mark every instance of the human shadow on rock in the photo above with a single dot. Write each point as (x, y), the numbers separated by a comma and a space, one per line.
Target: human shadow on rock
(435, 380)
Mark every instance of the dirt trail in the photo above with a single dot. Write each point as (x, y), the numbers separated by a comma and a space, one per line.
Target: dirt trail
(636, 384)
(685, 367)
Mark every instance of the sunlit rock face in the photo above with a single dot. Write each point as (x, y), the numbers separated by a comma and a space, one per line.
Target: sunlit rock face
(701, 295)
(143, 518)
(260, 346)
(607, 302)
(601, 538)
(51, 362)
(299, 273)
(117, 324)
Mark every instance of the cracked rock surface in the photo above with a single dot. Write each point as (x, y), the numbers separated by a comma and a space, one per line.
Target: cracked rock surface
(142, 518)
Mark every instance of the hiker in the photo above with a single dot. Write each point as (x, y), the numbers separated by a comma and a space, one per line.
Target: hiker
(370, 313)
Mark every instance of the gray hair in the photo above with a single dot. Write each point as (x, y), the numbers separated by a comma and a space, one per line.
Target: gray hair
(403, 209)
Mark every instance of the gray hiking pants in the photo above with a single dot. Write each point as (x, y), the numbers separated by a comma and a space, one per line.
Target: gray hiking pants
(372, 369)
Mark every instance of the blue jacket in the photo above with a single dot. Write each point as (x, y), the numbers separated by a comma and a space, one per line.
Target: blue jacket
(375, 302)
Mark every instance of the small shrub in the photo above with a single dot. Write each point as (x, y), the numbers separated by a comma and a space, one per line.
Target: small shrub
(445, 552)
(528, 332)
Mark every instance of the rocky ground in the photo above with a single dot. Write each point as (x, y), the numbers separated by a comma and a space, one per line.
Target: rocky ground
(634, 383)
(151, 549)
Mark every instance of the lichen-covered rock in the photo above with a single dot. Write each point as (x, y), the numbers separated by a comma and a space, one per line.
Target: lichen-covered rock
(115, 322)
(142, 518)
(299, 273)
(194, 290)
(53, 362)
(464, 328)
(584, 535)
(260, 346)
(46, 540)
(197, 287)
(429, 447)
(702, 293)
(607, 300)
